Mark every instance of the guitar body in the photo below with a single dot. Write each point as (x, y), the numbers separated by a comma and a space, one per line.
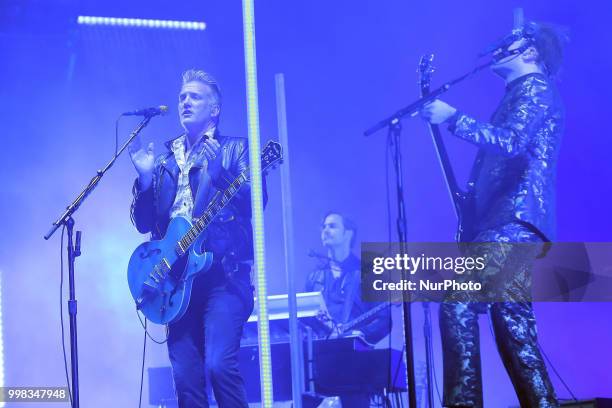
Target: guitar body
(160, 280)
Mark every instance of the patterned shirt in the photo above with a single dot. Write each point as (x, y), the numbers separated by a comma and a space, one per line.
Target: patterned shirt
(183, 202)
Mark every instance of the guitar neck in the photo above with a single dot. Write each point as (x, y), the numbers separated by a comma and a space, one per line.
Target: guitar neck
(351, 324)
(447, 169)
(425, 70)
(211, 212)
(271, 155)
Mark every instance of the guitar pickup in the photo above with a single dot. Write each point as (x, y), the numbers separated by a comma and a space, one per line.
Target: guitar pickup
(165, 267)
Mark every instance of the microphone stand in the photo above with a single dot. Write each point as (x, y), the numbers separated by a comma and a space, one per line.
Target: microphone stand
(75, 250)
(416, 106)
(393, 123)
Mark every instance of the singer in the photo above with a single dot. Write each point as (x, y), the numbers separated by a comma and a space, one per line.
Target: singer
(181, 182)
(512, 196)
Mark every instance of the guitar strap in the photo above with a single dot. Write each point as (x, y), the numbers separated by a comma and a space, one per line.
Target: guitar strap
(350, 293)
(203, 191)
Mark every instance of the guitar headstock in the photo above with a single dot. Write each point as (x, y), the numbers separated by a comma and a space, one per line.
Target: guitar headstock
(426, 68)
(271, 155)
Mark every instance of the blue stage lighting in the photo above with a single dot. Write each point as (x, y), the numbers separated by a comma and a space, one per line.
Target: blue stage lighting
(1, 342)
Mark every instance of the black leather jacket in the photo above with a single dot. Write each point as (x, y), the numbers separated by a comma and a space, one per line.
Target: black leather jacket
(230, 234)
(513, 177)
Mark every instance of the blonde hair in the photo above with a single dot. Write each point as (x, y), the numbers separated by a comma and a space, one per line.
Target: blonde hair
(204, 77)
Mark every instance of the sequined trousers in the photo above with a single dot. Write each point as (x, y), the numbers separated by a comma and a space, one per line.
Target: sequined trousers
(513, 324)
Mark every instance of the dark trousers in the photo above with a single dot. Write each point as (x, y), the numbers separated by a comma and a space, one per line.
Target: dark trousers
(206, 340)
(513, 324)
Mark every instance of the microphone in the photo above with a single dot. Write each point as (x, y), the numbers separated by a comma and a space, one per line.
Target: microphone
(518, 18)
(501, 46)
(148, 112)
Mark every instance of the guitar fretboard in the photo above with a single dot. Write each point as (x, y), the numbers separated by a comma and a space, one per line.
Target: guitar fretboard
(211, 212)
(349, 325)
(271, 155)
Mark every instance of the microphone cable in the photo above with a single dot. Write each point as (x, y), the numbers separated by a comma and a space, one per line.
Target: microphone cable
(543, 353)
(68, 383)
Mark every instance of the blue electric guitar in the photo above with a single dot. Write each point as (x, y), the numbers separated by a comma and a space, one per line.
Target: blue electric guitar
(160, 273)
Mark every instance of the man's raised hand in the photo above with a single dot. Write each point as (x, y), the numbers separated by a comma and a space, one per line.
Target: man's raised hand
(143, 161)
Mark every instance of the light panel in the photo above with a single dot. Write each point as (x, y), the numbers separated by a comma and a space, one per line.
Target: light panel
(263, 332)
(141, 22)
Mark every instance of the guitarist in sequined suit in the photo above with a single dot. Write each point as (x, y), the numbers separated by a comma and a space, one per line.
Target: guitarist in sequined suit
(512, 196)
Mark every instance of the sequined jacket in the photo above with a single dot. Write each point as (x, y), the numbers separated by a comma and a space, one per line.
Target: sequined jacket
(230, 233)
(513, 176)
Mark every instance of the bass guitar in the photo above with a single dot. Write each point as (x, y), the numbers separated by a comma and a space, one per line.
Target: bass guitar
(161, 272)
(461, 202)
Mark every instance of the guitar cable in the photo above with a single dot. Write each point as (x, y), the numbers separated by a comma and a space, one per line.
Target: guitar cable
(545, 356)
(117, 135)
(556, 372)
(429, 339)
(144, 326)
(144, 352)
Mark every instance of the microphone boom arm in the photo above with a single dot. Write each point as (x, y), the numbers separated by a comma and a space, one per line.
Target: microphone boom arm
(419, 103)
(93, 183)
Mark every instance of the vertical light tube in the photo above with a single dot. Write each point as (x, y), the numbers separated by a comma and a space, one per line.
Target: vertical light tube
(1, 341)
(297, 355)
(250, 60)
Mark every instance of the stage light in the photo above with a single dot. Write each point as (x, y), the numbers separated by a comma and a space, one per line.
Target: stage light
(263, 332)
(139, 22)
